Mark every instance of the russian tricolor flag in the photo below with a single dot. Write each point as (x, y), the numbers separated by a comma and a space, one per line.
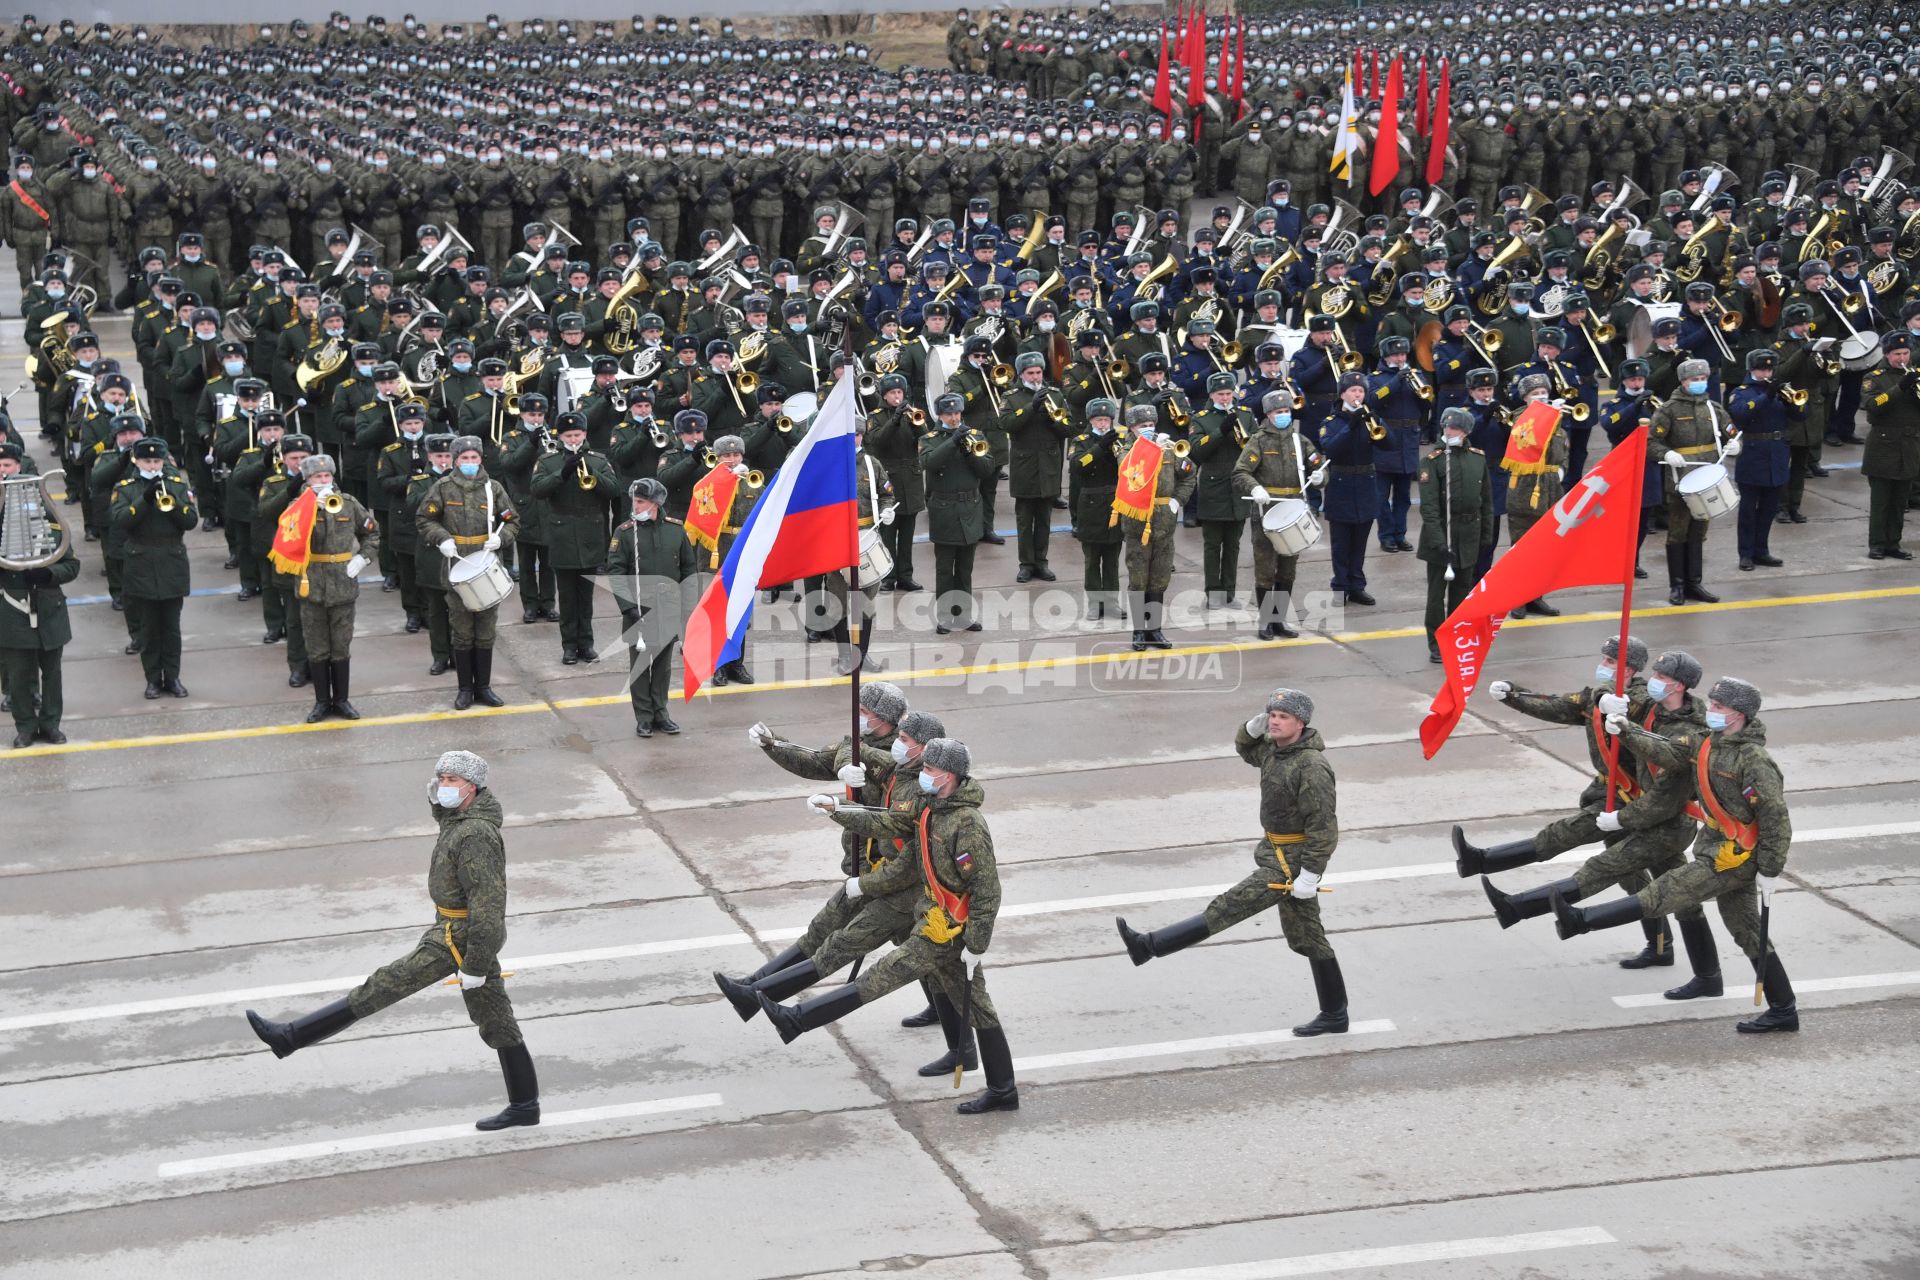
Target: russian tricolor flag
(806, 523)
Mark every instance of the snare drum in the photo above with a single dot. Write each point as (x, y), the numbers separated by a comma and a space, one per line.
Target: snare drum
(1708, 492)
(876, 562)
(1290, 526)
(480, 580)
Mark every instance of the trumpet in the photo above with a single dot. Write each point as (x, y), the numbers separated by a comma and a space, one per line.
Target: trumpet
(163, 501)
(332, 504)
(710, 459)
(1376, 429)
(1177, 413)
(1180, 449)
(583, 475)
(746, 382)
(755, 479)
(783, 424)
(1794, 396)
(1055, 410)
(658, 434)
(918, 417)
(976, 444)
(1421, 387)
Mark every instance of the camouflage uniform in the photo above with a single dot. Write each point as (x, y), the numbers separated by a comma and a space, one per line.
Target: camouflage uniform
(327, 594)
(456, 507)
(467, 880)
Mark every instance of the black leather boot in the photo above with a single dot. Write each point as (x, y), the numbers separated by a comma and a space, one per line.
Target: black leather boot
(1332, 990)
(1002, 1093)
(1177, 936)
(341, 707)
(791, 1021)
(321, 676)
(1781, 1014)
(523, 1091)
(1472, 860)
(463, 669)
(1571, 921)
(960, 1047)
(1156, 638)
(1696, 570)
(284, 1037)
(483, 679)
(1512, 908)
(1676, 573)
(1704, 956)
(778, 985)
(791, 956)
(1658, 953)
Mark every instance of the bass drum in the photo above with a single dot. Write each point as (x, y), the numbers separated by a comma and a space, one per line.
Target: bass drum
(801, 407)
(1640, 328)
(1860, 351)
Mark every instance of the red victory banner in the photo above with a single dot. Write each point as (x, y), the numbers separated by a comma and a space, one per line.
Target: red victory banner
(1587, 539)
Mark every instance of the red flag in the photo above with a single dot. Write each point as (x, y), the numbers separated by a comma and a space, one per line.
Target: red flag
(1437, 144)
(1226, 62)
(1197, 61)
(1587, 539)
(1373, 85)
(1240, 70)
(1386, 144)
(1163, 90)
(1359, 73)
(1420, 102)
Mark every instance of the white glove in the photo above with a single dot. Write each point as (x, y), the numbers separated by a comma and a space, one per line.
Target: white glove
(1613, 704)
(448, 550)
(1259, 494)
(1319, 477)
(1733, 448)
(739, 468)
(758, 733)
(472, 981)
(355, 565)
(1500, 689)
(493, 542)
(822, 803)
(1173, 507)
(1607, 820)
(885, 516)
(1616, 725)
(853, 888)
(1673, 459)
(1560, 474)
(853, 775)
(1305, 885)
(1767, 884)
(1257, 726)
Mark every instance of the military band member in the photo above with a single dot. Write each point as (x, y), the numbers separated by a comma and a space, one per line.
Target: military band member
(344, 538)
(1275, 465)
(1762, 416)
(650, 566)
(1035, 419)
(1688, 430)
(463, 513)
(1218, 434)
(1298, 815)
(1740, 851)
(153, 509)
(947, 847)
(575, 487)
(278, 487)
(467, 881)
(1149, 543)
(1631, 406)
(525, 446)
(731, 453)
(1352, 501)
(893, 438)
(1816, 374)
(1094, 457)
(33, 631)
(395, 468)
(1457, 524)
(955, 461)
(1536, 486)
(429, 570)
(1891, 461)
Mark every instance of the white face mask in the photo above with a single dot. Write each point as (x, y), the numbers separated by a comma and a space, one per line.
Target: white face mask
(1603, 674)
(447, 797)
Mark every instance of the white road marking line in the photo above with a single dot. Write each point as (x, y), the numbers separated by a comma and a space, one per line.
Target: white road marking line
(415, 1137)
(1058, 906)
(1168, 1048)
(1740, 989)
(1319, 1264)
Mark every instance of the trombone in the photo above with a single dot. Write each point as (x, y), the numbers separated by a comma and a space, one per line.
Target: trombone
(1597, 335)
(1564, 391)
(1347, 360)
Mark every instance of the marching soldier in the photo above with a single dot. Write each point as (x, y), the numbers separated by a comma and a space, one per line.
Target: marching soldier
(343, 539)
(1457, 524)
(946, 844)
(1297, 813)
(463, 513)
(153, 509)
(1149, 541)
(649, 566)
(467, 880)
(1740, 852)
(33, 631)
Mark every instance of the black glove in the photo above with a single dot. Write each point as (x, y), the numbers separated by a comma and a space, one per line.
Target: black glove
(39, 577)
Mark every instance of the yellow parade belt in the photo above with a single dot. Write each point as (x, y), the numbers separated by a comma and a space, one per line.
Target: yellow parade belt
(1279, 840)
(469, 540)
(341, 558)
(447, 916)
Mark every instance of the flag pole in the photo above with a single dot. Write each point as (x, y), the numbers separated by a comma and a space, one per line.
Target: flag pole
(1626, 613)
(854, 611)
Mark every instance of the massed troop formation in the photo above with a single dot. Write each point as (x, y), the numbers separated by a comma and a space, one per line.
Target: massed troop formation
(684, 229)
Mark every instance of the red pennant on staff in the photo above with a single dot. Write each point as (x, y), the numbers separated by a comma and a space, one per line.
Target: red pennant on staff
(1386, 144)
(1420, 102)
(1163, 90)
(1437, 144)
(1586, 539)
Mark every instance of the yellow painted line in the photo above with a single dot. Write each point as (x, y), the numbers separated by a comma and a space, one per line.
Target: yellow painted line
(936, 673)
